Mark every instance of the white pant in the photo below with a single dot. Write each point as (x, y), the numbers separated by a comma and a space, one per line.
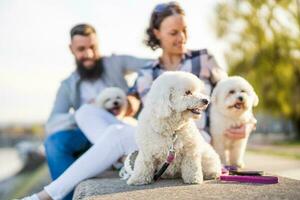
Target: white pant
(112, 139)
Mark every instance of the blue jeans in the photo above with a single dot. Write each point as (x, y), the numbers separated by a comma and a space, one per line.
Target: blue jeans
(62, 149)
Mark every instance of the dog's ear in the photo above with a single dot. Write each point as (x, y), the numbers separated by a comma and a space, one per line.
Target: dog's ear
(255, 99)
(98, 101)
(161, 103)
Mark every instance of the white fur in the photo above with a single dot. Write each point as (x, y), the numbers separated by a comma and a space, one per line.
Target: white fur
(112, 97)
(107, 100)
(223, 115)
(165, 113)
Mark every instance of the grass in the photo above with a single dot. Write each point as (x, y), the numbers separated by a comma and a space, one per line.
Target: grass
(286, 149)
(28, 181)
(289, 155)
(290, 143)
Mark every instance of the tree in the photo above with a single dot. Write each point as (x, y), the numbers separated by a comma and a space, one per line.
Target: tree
(263, 40)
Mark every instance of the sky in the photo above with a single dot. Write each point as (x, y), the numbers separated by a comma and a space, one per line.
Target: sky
(34, 39)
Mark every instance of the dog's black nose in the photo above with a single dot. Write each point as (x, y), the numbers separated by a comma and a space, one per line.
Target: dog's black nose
(240, 98)
(204, 101)
(116, 103)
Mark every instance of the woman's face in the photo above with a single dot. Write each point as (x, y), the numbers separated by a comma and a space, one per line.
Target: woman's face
(172, 34)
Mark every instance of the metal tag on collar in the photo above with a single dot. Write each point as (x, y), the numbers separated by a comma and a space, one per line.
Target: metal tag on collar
(171, 156)
(172, 153)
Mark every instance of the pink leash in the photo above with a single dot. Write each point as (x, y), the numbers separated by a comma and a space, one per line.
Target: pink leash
(250, 179)
(227, 170)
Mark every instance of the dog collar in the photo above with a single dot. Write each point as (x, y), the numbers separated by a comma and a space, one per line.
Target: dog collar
(170, 158)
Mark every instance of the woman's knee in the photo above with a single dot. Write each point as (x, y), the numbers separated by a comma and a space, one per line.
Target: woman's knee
(89, 110)
(120, 130)
(119, 134)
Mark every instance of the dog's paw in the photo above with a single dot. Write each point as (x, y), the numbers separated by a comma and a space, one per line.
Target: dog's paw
(212, 172)
(212, 175)
(240, 164)
(139, 181)
(193, 180)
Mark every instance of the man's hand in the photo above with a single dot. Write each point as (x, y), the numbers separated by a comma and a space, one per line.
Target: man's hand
(236, 133)
(133, 105)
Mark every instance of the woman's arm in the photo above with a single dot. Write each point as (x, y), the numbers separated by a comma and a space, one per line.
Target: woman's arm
(211, 69)
(133, 105)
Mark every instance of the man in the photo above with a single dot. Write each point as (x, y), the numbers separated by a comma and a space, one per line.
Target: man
(94, 72)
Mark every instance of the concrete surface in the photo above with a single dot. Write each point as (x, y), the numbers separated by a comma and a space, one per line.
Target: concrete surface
(114, 188)
(109, 186)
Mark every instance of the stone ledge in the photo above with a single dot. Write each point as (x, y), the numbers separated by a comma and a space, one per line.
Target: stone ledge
(109, 187)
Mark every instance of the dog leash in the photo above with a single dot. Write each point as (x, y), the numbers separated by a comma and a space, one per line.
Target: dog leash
(170, 158)
(230, 173)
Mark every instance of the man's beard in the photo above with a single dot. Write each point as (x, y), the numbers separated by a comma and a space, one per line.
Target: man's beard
(90, 74)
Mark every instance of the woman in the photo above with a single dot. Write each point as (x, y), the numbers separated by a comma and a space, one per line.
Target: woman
(167, 31)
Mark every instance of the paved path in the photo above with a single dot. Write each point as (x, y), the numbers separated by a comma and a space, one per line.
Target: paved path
(274, 164)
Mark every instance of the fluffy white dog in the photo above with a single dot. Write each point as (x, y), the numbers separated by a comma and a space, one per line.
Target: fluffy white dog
(167, 120)
(231, 106)
(114, 100)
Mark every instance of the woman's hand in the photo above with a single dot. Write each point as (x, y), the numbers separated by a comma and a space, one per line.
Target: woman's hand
(133, 105)
(91, 101)
(236, 133)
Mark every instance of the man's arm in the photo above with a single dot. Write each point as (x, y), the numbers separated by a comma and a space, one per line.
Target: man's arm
(60, 118)
(132, 64)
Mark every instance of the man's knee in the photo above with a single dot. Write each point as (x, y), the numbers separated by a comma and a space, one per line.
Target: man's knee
(66, 142)
(56, 142)
(51, 143)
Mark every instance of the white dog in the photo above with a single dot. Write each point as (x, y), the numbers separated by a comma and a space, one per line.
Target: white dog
(167, 120)
(231, 106)
(113, 99)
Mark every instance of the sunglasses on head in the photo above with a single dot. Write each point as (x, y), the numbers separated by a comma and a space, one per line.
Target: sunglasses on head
(164, 6)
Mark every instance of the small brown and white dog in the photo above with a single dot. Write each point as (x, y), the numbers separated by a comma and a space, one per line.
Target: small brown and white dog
(231, 106)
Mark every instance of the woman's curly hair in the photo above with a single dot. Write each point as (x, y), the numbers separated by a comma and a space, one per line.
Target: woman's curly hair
(157, 16)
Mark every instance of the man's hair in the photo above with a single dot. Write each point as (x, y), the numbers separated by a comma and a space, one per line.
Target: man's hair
(82, 29)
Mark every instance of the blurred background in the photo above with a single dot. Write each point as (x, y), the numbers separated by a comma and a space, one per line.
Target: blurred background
(259, 40)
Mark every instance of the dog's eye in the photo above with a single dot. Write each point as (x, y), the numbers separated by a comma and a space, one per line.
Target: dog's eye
(231, 92)
(106, 100)
(243, 91)
(188, 92)
(118, 97)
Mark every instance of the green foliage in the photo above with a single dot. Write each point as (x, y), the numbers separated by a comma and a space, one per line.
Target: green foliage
(264, 47)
